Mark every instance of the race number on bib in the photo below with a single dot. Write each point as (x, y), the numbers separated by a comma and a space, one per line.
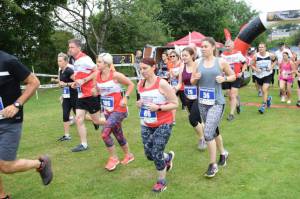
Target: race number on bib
(1, 108)
(190, 92)
(207, 96)
(286, 74)
(148, 116)
(174, 82)
(79, 92)
(108, 103)
(66, 92)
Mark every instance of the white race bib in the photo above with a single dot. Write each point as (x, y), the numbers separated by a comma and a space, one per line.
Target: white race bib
(108, 103)
(66, 92)
(286, 74)
(190, 92)
(148, 116)
(174, 82)
(1, 108)
(207, 96)
(79, 92)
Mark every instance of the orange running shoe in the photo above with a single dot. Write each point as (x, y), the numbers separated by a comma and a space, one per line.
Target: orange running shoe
(127, 159)
(112, 163)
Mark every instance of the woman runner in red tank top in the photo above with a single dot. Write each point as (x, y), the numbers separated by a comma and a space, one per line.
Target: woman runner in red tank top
(108, 83)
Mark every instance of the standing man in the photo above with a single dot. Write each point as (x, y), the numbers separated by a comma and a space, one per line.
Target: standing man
(12, 73)
(85, 70)
(238, 64)
(263, 68)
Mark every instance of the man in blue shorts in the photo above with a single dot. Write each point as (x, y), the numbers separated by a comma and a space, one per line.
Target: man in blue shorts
(12, 73)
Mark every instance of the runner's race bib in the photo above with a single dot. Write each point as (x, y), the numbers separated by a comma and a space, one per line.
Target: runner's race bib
(174, 82)
(190, 92)
(286, 74)
(107, 103)
(66, 92)
(1, 108)
(148, 116)
(79, 92)
(207, 96)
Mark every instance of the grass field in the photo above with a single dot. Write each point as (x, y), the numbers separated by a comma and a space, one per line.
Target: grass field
(264, 157)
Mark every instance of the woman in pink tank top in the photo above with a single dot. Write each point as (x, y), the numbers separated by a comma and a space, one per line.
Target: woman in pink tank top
(287, 72)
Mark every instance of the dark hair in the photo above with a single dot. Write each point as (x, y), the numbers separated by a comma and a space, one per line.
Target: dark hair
(212, 42)
(189, 50)
(284, 52)
(77, 42)
(149, 61)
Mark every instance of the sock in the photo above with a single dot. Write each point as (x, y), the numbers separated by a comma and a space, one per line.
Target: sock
(84, 144)
(166, 157)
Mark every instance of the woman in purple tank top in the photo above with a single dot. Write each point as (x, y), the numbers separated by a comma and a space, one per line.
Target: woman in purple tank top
(190, 94)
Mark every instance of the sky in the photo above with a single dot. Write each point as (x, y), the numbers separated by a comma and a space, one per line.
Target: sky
(273, 5)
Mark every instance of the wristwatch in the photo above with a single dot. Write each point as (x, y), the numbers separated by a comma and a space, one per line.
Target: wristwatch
(18, 105)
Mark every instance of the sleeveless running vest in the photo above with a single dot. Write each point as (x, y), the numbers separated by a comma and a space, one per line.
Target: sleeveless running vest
(153, 95)
(209, 90)
(263, 63)
(110, 92)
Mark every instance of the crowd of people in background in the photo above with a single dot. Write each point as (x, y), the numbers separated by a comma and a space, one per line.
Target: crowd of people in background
(96, 89)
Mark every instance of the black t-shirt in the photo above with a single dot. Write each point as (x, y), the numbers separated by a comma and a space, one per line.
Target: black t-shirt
(65, 76)
(12, 73)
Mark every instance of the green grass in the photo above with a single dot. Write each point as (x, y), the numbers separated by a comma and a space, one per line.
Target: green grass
(263, 163)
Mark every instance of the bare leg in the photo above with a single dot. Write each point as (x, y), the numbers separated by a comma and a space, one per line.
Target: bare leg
(80, 114)
(212, 150)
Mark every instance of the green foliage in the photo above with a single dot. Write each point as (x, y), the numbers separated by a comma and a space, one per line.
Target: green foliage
(25, 30)
(134, 25)
(207, 17)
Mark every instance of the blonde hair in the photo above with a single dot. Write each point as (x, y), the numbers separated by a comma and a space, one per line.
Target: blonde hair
(106, 57)
(64, 56)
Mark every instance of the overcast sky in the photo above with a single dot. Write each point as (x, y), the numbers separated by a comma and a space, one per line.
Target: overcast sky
(274, 5)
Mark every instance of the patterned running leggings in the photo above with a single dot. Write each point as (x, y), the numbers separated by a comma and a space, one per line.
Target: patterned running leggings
(211, 115)
(113, 125)
(155, 141)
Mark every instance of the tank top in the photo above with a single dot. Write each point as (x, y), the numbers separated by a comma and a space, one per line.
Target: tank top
(110, 92)
(153, 95)
(210, 91)
(190, 91)
(286, 71)
(263, 63)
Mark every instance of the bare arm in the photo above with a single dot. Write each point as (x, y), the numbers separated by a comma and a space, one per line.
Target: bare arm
(122, 79)
(229, 73)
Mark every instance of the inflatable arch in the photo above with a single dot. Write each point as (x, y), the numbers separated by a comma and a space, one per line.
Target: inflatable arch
(261, 23)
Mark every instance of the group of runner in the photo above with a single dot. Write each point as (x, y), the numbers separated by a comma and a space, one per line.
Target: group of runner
(198, 82)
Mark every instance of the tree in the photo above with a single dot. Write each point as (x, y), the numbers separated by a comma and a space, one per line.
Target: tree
(76, 14)
(206, 16)
(26, 27)
(133, 26)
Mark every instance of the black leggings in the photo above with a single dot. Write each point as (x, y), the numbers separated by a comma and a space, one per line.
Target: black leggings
(180, 93)
(194, 114)
(67, 105)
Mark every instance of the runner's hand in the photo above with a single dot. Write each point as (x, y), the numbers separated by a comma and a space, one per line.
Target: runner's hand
(10, 111)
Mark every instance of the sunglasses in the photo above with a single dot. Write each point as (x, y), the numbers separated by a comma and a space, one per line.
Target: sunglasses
(172, 56)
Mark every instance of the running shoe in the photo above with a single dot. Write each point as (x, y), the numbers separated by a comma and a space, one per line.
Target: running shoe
(112, 163)
(230, 117)
(298, 104)
(169, 162)
(160, 186)
(127, 159)
(64, 138)
(238, 107)
(6, 197)
(259, 93)
(45, 169)
(289, 102)
(262, 109)
(211, 171)
(223, 159)
(282, 99)
(269, 101)
(202, 145)
(79, 148)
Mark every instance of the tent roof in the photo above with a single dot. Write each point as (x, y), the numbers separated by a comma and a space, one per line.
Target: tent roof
(193, 37)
